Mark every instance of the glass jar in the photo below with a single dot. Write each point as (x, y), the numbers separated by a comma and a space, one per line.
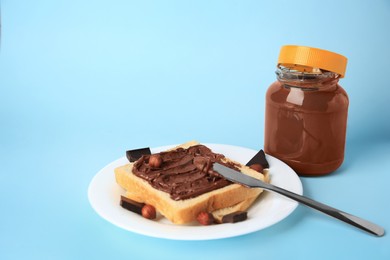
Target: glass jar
(306, 111)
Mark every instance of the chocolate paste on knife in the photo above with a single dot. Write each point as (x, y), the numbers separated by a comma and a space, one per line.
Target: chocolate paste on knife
(184, 173)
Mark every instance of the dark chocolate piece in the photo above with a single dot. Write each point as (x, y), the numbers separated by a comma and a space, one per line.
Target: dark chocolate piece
(132, 205)
(257, 167)
(260, 159)
(235, 217)
(134, 155)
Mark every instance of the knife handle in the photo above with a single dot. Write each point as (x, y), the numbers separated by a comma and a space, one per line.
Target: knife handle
(338, 214)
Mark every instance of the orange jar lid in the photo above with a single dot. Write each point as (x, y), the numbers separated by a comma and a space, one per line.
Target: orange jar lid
(304, 59)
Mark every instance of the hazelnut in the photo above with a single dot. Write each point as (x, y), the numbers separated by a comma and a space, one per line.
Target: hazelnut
(205, 218)
(148, 211)
(155, 161)
(257, 167)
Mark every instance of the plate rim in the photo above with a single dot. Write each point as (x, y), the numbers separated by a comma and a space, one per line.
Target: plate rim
(196, 231)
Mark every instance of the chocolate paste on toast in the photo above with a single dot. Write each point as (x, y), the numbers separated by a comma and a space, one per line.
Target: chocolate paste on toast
(184, 173)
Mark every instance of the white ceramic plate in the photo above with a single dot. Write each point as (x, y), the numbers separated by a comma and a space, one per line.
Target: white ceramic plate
(104, 195)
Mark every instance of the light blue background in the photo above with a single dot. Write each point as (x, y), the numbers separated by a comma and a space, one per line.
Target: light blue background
(83, 81)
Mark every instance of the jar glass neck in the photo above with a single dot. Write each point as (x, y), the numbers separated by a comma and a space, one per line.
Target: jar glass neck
(315, 79)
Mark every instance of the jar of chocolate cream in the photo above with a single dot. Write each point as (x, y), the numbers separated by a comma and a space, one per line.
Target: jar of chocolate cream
(306, 110)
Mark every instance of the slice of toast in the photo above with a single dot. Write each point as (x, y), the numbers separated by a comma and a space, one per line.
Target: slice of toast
(222, 201)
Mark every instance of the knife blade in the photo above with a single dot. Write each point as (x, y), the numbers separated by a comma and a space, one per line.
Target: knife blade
(246, 180)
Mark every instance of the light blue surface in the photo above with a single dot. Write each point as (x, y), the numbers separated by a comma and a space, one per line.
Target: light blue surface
(82, 81)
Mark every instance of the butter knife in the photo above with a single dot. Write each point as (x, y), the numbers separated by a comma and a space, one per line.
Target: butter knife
(251, 182)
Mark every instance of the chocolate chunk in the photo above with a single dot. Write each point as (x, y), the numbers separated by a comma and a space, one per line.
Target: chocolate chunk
(131, 205)
(257, 167)
(235, 217)
(134, 155)
(259, 158)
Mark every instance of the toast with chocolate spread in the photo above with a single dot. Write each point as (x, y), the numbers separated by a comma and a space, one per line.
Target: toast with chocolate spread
(181, 183)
